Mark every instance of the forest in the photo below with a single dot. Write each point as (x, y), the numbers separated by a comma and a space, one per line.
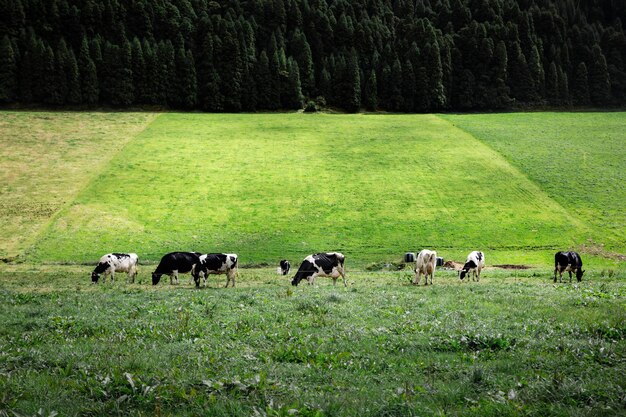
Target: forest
(264, 55)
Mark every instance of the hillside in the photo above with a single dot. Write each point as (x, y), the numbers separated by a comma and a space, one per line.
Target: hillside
(284, 185)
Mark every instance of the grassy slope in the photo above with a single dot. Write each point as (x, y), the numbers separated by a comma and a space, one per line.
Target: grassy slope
(47, 158)
(578, 159)
(504, 346)
(284, 185)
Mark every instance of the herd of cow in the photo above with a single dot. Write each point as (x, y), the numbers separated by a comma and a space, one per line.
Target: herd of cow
(324, 264)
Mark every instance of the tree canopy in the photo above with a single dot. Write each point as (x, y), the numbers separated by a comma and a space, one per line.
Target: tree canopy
(235, 55)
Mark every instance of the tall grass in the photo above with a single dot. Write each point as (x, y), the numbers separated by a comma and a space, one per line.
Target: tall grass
(509, 345)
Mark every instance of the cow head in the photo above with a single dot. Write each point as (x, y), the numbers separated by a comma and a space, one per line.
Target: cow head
(95, 277)
(462, 274)
(156, 278)
(579, 274)
(295, 281)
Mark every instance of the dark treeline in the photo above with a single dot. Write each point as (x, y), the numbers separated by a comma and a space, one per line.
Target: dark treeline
(238, 55)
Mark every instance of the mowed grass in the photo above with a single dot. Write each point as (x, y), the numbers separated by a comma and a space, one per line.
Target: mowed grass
(46, 159)
(513, 344)
(274, 186)
(578, 159)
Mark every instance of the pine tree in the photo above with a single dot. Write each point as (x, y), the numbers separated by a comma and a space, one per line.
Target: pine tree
(302, 54)
(186, 79)
(263, 81)
(74, 95)
(408, 87)
(599, 83)
(292, 97)
(138, 68)
(88, 75)
(50, 88)
(552, 84)
(352, 101)
(422, 94)
(580, 85)
(370, 94)
(8, 72)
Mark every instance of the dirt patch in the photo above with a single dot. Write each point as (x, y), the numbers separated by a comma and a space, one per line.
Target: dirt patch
(598, 250)
(509, 266)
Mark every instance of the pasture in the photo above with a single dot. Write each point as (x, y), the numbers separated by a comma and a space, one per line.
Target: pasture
(512, 344)
(284, 185)
(274, 186)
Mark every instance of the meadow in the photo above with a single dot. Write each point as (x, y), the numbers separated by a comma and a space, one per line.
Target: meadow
(278, 186)
(513, 344)
(272, 186)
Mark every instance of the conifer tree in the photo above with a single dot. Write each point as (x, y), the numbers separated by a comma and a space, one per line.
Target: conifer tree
(292, 97)
(599, 83)
(370, 94)
(8, 72)
(88, 75)
(580, 85)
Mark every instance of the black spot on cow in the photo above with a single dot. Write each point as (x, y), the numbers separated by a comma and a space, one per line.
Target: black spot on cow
(121, 255)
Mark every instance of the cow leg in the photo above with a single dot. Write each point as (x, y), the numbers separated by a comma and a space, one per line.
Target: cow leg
(343, 276)
(555, 268)
(570, 275)
(113, 276)
(418, 275)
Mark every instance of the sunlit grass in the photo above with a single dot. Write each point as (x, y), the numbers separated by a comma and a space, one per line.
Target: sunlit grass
(275, 186)
(578, 159)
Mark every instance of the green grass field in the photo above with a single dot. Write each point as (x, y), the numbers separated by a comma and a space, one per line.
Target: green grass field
(373, 186)
(511, 345)
(271, 186)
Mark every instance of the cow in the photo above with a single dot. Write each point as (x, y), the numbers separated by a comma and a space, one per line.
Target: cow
(568, 262)
(173, 263)
(284, 267)
(474, 264)
(327, 264)
(215, 263)
(115, 262)
(425, 264)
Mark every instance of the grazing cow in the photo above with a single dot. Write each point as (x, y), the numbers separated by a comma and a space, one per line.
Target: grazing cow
(568, 262)
(474, 264)
(425, 264)
(116, 262)
(329, 264)
(173, 263)
(284, 267)
(215, 263)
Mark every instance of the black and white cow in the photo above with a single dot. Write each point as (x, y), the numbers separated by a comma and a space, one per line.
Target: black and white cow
(173, 263)
(284, 267)
(568, 262)
(215, 263)
(425, 264)
(474, 264)
(111, 263)
(328, 264)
